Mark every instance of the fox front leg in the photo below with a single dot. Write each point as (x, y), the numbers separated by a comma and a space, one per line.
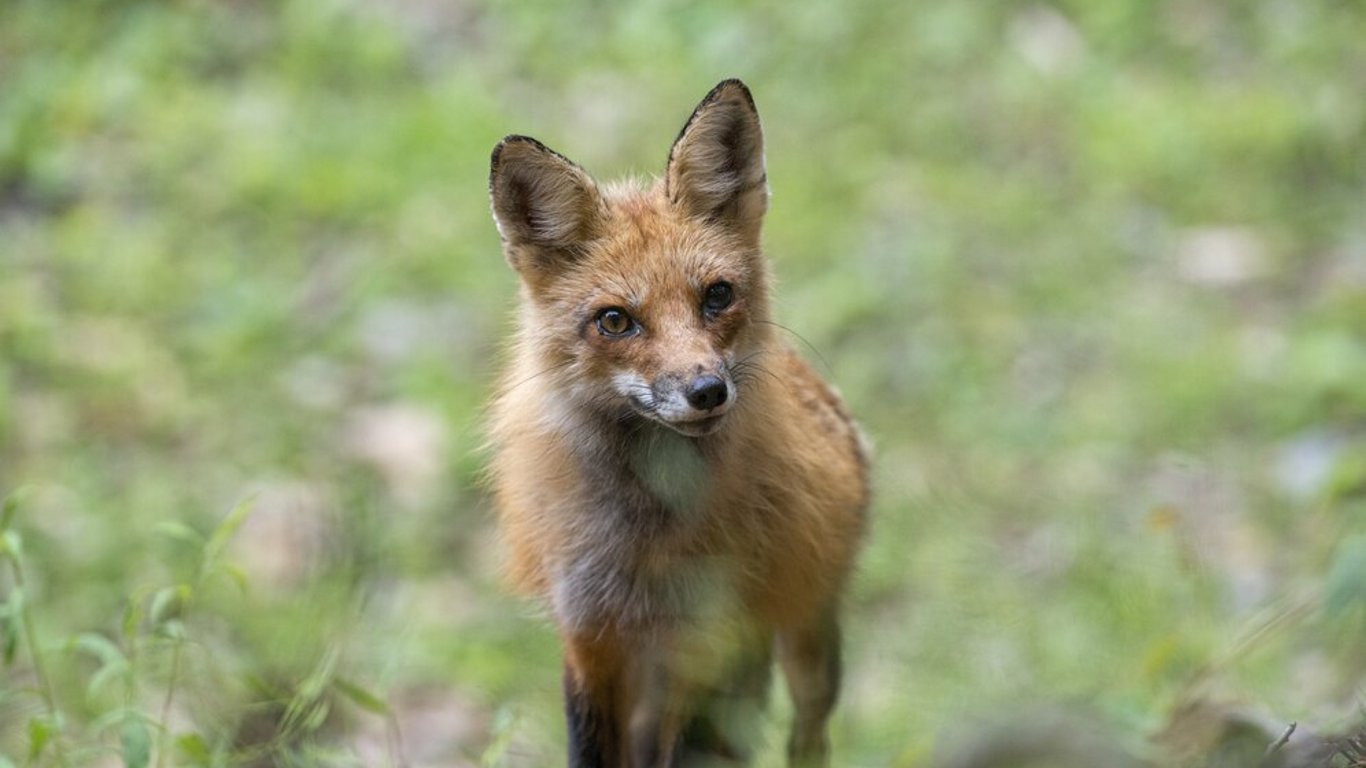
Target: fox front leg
(621, 705)
(654, 720)
(810, 659)
(594, 741)
(594, 700)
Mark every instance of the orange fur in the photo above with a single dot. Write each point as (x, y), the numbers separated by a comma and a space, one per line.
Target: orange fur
(666, 538)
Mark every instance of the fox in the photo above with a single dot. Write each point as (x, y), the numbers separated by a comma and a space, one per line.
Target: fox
(679, 489)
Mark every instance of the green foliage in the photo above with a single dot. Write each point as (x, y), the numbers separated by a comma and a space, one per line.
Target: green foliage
(1346, 586)
(155, 632)
(1091, 273)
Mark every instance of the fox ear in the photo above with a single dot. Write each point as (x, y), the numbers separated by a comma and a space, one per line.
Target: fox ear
(716, 167)
(546, 207)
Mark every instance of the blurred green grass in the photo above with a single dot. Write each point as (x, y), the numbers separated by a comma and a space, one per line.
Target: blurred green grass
(1093, 275)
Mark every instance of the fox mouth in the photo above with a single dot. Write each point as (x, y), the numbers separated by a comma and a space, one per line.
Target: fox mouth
(698, 427)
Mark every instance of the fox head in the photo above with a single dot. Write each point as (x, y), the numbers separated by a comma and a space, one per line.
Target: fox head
(649, 302)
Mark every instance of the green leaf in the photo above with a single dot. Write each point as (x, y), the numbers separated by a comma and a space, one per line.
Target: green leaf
(169, 602)
(137, 743)
(317, 716)
(7, 511)
(178, 531)
(235, 574)
(172, 628)
(99, 646)
(12, 545)
(1346, 584)
(318, 680)
(13, 623)
(224, 532)
(111, 718)
(1348, 479)
(360, 697)
(40, 732)
(132, 616)
(5, 762)
(193, 749)
(106, 675)
(9, 633)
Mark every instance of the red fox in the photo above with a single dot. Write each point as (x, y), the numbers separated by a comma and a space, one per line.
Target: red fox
(684, 493)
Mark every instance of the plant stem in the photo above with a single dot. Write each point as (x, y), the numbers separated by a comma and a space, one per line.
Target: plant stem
(45, 688)
(164, 746)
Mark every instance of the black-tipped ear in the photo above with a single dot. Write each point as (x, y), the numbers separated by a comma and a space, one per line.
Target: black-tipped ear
(716, 166)
(546, 207)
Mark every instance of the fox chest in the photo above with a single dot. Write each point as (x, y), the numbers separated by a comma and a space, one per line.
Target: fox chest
(641, 553)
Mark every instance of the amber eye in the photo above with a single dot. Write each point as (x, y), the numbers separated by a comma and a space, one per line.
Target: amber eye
(615, 322)
(718, 297)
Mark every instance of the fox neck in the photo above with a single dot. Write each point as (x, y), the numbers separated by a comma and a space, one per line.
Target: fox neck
(670, 467)
(647, 465)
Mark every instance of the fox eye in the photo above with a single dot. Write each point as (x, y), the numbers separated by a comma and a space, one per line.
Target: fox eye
(718, 297)
(615, 322)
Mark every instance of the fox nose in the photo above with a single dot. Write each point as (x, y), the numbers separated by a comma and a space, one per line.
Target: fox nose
(706, 392)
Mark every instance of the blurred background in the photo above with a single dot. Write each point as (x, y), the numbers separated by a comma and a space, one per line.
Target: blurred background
(1092, 274)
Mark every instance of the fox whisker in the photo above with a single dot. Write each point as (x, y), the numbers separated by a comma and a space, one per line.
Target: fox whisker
(825, 363)
(552, 369)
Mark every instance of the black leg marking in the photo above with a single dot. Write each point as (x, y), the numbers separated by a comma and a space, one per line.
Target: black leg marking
(590, 728)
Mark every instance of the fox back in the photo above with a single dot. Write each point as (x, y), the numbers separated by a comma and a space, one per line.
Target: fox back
(684, 493)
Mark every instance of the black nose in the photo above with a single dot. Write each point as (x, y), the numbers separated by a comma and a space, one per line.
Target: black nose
(706, 392)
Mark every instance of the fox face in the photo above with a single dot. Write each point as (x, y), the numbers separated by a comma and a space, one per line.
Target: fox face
(669, 349)
(652, 301)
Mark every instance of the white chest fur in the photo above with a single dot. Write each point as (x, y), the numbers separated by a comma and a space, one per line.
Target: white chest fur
(671, 468)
